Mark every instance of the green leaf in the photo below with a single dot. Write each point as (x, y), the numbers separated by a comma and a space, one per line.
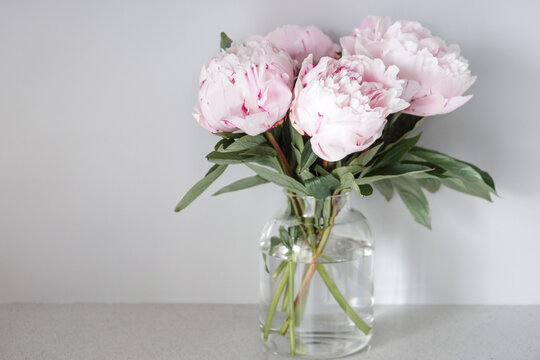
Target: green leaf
(269, 161)
(225, 158)
(394, 153)
(287, 145)
(393, 171)
(473, 180)
(225, 41)
(279, 179)
(296, 138)
(391, 118)
(341, 171)
(470, 188)
(399, 128)
(322, 186)
(366, 156)
(431, 185)
(305, 175)
(412, 195)
(386, 188)
(347, 182)
(274, 241)
(307, 158)
(212, 169)
(229, 135)
(488, 180)
(297, 154)
(242, 184)
(200, 186)
(246, 142)
(295, 232)
(265, 265)
(366, 189)
(454, 166)
(222, 144)
(285, 237)
(436, 171)
(321, 170)
(262, 150)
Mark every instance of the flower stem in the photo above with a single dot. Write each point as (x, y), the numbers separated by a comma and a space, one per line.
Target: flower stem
(290, 294)
(343, 303)
(282, 158)
(273, 304)
(338, 296)
(309, 275)
(285, 301)
(304, 286)
(278, 270)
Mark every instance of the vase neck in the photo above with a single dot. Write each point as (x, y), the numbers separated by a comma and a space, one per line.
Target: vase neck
(312, 207)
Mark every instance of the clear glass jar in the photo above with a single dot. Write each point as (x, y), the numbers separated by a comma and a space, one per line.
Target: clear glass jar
(316, 279)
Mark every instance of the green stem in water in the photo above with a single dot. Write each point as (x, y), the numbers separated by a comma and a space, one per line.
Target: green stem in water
(343, 303)
(328, 258)
(285, 300)
(299, 311)
(292, 266)
(311, 270)
(312, 239)
(278, 270)
(273, 304)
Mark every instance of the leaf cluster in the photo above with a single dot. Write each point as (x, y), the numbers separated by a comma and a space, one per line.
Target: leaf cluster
(393, 164)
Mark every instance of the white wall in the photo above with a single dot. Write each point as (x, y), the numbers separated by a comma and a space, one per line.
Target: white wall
(97, 144)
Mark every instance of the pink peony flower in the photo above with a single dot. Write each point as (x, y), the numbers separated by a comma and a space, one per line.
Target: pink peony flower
(437, 76)
(246, 87)
(343, 104)
(299, 42)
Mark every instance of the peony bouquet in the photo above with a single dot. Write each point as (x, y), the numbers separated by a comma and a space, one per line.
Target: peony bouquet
(321, 120)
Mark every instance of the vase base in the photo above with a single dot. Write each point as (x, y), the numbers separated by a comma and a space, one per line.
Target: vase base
(317, 345)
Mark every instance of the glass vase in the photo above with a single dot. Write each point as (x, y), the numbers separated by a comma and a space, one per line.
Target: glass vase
(316, 279)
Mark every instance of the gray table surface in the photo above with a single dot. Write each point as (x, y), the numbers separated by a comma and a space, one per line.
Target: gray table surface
(200, 332)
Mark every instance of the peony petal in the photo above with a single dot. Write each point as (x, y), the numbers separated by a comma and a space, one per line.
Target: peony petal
(202, 121)
(435, 104)
(335, 141)
(347, 45)
(342, 104)
(299, 42)
(306, 67)
(247, 82)
(455, 102)
(252, 124)
(436, 72)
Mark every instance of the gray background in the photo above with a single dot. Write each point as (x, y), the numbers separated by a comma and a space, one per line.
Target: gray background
(97, 144)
